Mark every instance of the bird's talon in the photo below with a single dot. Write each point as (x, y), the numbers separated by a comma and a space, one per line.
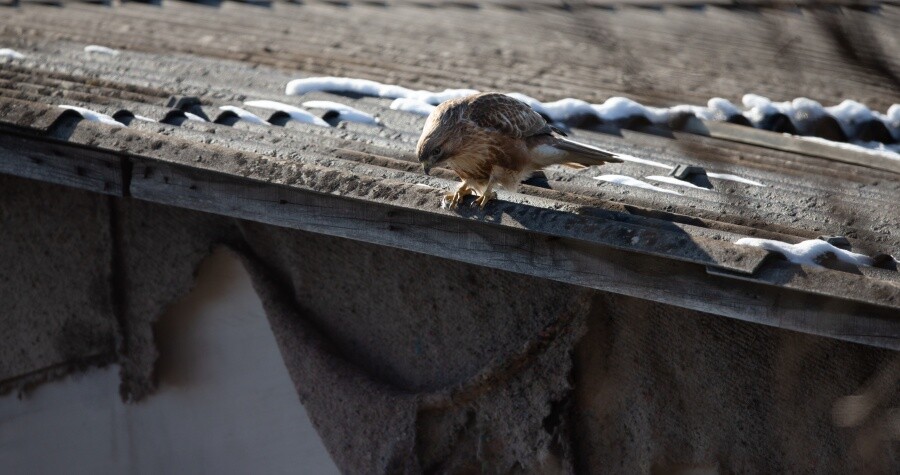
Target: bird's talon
(453, 199)
(483, 200)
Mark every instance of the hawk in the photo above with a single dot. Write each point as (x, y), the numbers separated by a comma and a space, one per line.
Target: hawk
(492, 139)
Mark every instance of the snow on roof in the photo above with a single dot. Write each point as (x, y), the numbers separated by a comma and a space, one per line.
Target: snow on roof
(94, 116)
(849, 114)
(344, 111)
(675, 181)
(11, 53)
(643, 161)
(807, 252)
(194, 117)
(412, 105)
(628, 181)
(245, 115)
(730, 177)
(294, 112)
(101, 50)
(371, 88)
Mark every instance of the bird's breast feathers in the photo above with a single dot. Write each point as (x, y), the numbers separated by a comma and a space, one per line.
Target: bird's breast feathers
(490, 154)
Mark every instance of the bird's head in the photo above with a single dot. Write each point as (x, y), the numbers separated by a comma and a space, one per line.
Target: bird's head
(440, 139)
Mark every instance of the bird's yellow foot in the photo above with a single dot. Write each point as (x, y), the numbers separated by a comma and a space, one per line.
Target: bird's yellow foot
(453, 199)
(483, 200)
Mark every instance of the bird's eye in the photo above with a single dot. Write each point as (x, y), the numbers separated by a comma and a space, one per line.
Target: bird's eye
(436, 151)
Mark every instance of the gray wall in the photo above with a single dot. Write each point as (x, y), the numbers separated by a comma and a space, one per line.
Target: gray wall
(406, 362)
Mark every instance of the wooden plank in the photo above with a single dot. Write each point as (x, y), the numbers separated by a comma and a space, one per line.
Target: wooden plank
(561, 259)
(826, 282)
(62, 164)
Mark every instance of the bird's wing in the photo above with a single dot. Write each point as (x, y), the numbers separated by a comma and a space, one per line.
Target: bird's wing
(507, 115)
(548, 150)
(583, 153)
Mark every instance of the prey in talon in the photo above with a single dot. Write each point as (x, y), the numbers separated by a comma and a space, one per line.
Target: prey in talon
(490, 139)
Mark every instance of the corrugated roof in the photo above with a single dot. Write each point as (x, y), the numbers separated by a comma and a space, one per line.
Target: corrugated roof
(361, 181)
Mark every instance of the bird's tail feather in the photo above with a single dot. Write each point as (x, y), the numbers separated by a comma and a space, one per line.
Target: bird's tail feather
(579, 153)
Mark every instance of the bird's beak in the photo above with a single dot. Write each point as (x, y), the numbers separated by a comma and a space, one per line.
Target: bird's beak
(427, 167)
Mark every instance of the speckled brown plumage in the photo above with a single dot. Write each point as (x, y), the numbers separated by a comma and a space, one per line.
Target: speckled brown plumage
(492, 139)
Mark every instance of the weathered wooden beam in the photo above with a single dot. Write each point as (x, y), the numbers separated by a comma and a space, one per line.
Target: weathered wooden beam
(63, 164)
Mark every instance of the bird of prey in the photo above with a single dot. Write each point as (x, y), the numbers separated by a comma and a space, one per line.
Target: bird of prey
(492, 139)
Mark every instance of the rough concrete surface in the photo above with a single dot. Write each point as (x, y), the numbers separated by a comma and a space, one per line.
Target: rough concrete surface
(419, 325)
(409, 363)
(661, 389)
(55, 274)
(417, 322)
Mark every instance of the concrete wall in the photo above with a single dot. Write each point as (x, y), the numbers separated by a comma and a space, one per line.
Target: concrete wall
(404, 362)
(225, 402)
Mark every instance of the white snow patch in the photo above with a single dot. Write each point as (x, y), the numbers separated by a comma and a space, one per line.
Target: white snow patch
(145, 119)
(801, 108)
(848, 113)
(729, 177)
(412, 105)
(722, 109)
(370, 88)
(194, 117)
(298, 87)
(245, 115)
(93, 116)
(566, 108)
(101, 50)
(344, 111)
(644, 161)
(675, 181)
(628, 181)
(876, 149)
(893, 114)
(892, 120)
(617, 108)
(11, 53)
(295, 113)
(757, 107)
(806, 252)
